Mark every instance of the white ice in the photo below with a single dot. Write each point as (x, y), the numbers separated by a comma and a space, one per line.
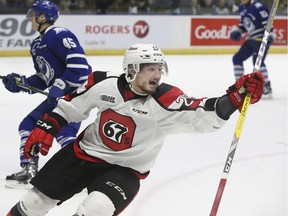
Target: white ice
(186, 175)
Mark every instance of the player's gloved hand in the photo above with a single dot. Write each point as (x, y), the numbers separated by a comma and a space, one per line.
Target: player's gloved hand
(41, 138)
(11, 81)
(59, 89)
(235, 35)
(252, 83)
(270, 39)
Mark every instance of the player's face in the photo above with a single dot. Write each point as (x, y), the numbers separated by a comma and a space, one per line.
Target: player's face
(35, 20)
(32, 17)
(245, 2)
(147, 80)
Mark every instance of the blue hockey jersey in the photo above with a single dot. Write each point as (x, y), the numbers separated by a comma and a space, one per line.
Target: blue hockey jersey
(58, 54)
(253, 19)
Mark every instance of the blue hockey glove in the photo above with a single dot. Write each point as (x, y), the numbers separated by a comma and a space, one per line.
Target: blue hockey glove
(11, 82)
(270, 39)
(235, 35)
(60, 88)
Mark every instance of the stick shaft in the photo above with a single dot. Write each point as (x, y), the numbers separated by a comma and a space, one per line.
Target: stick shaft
(243, 113)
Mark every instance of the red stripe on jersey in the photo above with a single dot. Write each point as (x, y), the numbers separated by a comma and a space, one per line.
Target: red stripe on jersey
(79, 153)
(140, 175)
(196, 103)
(170, 96)
(90, 80)
(68, 97)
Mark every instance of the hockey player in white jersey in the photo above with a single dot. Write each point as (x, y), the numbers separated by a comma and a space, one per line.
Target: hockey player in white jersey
(135, 112)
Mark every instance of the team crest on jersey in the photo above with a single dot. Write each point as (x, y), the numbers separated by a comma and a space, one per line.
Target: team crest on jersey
(116, 130)
(248, 24)
(59, 29)
(46, 72)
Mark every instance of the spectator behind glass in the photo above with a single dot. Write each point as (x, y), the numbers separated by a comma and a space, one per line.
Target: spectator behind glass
(119, 7)
(3, 5)
(144, 6)
(133, 7)
(102, 6)
(195, 7)
(206, 7)
(175, 7)
(283, 9)
(74, 4)
(64, 6)
(221, 8)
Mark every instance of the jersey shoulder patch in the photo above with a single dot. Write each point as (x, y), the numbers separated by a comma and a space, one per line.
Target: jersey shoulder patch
(166, 94)
(96, 77)
(172, 98)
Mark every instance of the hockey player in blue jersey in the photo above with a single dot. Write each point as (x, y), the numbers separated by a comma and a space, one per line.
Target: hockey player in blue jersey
(253, 20)
(61, 66)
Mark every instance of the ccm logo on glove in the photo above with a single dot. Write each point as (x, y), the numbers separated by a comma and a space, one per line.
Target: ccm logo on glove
(41, 138)
(43, 125)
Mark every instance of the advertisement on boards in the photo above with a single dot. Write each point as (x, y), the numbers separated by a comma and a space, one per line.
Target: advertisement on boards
(15, 32)
(213, 31)
(119, 32)
(108, 32)
(96, 31)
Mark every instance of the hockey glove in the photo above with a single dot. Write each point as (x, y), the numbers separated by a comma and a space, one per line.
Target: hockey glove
(59, 89)
(235, 35)
(12, 80)
(252, 83)
(41, 138)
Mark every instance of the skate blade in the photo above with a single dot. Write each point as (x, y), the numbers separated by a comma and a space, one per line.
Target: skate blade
(17, 185)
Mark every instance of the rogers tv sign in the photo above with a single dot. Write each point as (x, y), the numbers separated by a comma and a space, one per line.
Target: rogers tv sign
(216, 31)
(140, 29)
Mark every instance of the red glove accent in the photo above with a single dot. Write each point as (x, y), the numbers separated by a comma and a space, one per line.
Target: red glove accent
(41, 138)
(252, 83)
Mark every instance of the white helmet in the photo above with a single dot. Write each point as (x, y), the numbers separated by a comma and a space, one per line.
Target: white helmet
(142, 54)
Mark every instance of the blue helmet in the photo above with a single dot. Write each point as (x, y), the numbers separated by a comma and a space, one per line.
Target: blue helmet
(44, 7)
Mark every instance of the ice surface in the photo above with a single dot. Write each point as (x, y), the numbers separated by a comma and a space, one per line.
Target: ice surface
(186, 175)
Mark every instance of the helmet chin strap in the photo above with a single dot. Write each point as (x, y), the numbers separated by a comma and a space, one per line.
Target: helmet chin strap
(132, 89)
(40, 24)
(131, 86)
(39, 27)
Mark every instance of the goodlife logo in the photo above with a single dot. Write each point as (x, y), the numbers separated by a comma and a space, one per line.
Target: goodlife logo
(140, 29)
(212, 31)
(202, 32)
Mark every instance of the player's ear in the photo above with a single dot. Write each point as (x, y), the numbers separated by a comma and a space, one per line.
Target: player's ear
(42, 18)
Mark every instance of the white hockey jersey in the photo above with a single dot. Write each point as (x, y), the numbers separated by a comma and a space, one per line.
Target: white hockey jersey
(129, 130)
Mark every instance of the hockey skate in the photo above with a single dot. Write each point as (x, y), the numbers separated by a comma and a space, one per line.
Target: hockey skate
(21, 179)
(267, 91)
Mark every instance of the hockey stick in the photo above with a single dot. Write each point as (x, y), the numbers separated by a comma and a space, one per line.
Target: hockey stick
(243, 113)
(29, 87)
